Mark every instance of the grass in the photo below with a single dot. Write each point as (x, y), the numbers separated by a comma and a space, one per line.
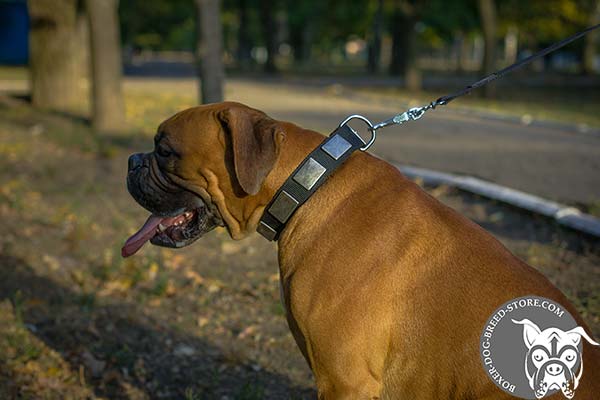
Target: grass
(28, 368)
(250, 391)
(593, 208)
(13, 73)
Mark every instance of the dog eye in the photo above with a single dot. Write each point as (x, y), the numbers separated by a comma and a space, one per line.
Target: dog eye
(569, 355)
(538, 355)
(163, 152)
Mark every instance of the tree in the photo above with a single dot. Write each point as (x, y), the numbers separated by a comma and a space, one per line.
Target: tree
(541, 23)
(210, 51)
(374, 50)
(453, 22)
(244, 44)
(54, 53)
(269, 33)
(591, 41)
(404, 19)
(487, 11)
(107, 97)
(158, 24)
(303, 18)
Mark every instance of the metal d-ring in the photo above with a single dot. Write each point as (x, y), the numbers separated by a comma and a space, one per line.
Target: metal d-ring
(371, 128)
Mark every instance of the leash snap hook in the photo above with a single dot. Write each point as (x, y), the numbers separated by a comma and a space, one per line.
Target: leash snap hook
(372, 129)
(417, 112)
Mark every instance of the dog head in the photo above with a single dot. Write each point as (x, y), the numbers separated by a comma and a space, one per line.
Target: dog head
(553, 360)
(207, 168)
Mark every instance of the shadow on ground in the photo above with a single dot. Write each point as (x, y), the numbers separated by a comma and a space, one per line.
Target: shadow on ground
(145, 356)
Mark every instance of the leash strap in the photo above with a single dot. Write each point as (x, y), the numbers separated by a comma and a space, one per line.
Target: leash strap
(417, 112)
(314, 170)
(310, 175)
(442, 101)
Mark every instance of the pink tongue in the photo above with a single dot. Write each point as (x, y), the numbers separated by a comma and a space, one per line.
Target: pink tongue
(135, 242)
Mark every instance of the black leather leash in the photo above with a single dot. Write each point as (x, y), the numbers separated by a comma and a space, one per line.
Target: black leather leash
(417, 112)
(442, 101)
(314, 170)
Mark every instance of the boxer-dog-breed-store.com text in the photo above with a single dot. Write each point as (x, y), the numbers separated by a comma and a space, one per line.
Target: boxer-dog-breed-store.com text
(386, 289)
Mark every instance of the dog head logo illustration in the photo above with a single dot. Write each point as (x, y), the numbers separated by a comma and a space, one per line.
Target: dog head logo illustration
(553, 361)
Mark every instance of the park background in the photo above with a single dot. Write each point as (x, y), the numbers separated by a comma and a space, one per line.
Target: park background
(85, 83)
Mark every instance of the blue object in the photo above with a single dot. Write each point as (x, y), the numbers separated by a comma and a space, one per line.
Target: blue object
(14, 32)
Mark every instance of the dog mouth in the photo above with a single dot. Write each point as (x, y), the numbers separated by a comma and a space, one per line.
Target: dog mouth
(179, 215)
(175, 232)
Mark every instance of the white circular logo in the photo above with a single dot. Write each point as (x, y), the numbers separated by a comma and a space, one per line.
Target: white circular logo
(531, 348)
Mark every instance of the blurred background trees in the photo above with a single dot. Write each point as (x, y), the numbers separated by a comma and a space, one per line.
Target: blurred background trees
(55, 52)
(108, 112)
(284, 34)
(408, 39)
(210, 51)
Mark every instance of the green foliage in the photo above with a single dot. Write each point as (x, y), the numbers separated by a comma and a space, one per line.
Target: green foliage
(545, 21)
(26, 349)
(447, 17)
(158, 24)
(250, 391)
(325, 26)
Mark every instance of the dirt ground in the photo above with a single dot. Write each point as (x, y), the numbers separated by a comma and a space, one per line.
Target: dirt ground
(204, 322)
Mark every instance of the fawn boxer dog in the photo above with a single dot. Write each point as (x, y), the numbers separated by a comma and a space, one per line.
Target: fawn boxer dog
(386, 290)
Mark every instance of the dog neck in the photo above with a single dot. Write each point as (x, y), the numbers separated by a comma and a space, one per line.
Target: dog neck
(307, 178)
(298, 143)
(351, 183)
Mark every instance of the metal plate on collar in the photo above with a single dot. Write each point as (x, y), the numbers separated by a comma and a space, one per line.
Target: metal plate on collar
(309, 174)
(266, 231)
(283, 206)
(336, 146)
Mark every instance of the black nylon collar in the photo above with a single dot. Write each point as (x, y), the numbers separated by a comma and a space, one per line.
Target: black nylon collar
(307, 178)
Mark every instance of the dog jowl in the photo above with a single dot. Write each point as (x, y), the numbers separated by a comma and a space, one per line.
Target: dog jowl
(553, 361)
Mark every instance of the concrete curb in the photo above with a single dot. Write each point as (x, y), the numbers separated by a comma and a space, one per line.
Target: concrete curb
(564, 215)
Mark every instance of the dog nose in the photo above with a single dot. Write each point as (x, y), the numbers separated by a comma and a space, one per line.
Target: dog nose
(554, 369)
(135, 160)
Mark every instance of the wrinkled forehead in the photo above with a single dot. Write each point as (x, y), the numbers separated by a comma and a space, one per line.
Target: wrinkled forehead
(193, 121)
(554, 337)
(183, 119)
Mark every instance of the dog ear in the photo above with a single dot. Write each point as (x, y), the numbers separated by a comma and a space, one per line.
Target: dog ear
(530, 331)
(577, 333)
(255, 140)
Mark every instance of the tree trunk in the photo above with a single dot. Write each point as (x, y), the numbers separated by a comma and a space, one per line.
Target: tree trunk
(511, 45)
(107, 96)
(210, 51)
(403, 62)
(56, 81)
(244, 43)
(300, 40)
(83, 61)
(269, 33)
(374, 52)
(591, 42)
(398, 56)
(487, 13)
(457, 44)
